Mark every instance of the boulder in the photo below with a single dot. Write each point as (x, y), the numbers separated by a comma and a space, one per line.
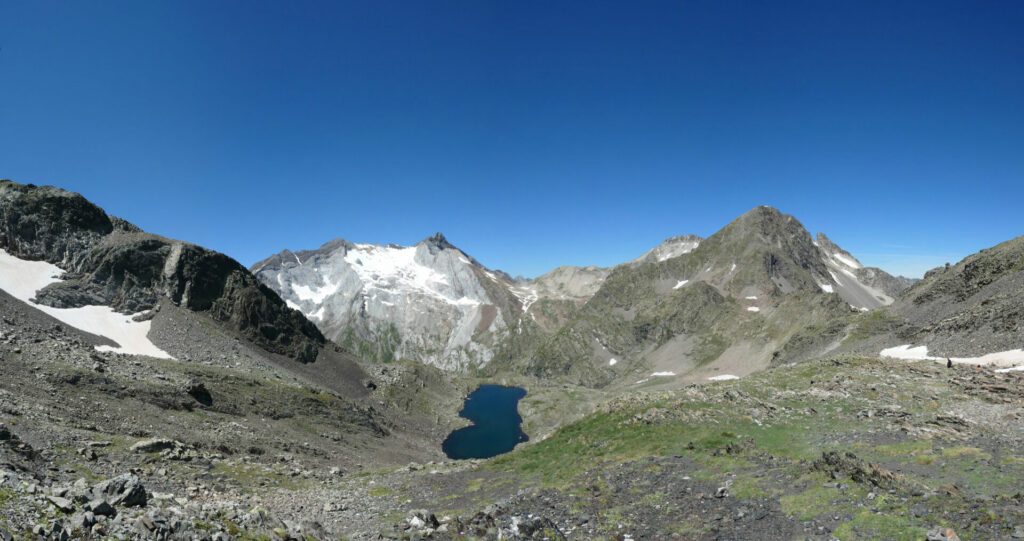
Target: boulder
(154, 445)
(63, 504)
(124, 490)
(197, 390)
(100, 508)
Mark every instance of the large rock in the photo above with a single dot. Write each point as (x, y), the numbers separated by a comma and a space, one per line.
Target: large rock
(126, 490)
(154, 445)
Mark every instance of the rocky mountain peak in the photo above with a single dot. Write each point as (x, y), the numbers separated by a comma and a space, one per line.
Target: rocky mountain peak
(438, 240)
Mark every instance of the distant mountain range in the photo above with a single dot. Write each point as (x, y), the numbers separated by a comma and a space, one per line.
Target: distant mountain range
(434, 303)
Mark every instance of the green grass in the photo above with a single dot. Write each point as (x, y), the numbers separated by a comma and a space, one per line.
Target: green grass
(871, 525)
(817, 499)
(378, 492)
(5, 496)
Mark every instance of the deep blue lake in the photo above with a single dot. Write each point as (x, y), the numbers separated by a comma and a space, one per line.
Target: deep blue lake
(496, 428)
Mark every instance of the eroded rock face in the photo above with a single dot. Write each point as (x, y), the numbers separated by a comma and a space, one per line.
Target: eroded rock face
(111, 262)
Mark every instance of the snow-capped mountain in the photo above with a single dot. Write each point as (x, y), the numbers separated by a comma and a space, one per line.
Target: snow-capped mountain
(430, 302)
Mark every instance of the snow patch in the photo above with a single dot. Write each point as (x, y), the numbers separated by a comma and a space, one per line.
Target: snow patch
(751, 298)
(907, 353)
(846, 261)
(612, 362)
(1004, 359)
(527, 296)
(1014, 369)
(723, 377)
(827, 288)
(22, 279)
(317, 295)
(680, 284)
(662, 374)
(753, 309)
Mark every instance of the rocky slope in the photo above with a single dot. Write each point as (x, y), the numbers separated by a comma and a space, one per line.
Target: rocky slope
(217, 444)
(973, 304)
(862, 287)
(969, 312)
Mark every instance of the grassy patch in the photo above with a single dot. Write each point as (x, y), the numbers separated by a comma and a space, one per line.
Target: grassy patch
(869, 525)
(817, 499)
(378, 492)
(965, 452)
(5, 496)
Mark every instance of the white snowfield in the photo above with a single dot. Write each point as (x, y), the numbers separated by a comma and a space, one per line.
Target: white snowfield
(753, 309)
(612, 362)
(662, 374)
(723, 377)
(386, 267)
(847, 261)
(680, 284)
(22, 279)
(1007, 360)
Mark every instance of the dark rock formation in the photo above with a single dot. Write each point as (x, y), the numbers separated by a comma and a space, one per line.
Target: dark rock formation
(111, 262)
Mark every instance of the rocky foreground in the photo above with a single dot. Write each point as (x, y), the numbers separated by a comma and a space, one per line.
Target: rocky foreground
(845, 448)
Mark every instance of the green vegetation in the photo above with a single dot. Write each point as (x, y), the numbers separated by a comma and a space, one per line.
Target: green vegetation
(763, 436)
(379, 491)
(869, 524)
(5, 496)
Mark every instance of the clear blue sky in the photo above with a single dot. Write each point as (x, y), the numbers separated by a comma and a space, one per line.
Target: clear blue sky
(533, 134)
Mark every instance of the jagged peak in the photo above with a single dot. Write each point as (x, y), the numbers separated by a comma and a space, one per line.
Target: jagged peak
(438, 240)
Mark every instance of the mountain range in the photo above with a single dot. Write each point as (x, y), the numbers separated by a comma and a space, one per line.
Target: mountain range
(757, 380)
(436, 304)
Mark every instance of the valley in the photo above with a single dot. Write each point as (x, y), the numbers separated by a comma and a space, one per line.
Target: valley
(760, 381)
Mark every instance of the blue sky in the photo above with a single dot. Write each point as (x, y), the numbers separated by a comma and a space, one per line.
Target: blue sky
(533, 134)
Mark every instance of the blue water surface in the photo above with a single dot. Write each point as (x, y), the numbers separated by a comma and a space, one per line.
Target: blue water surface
(496, 428)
